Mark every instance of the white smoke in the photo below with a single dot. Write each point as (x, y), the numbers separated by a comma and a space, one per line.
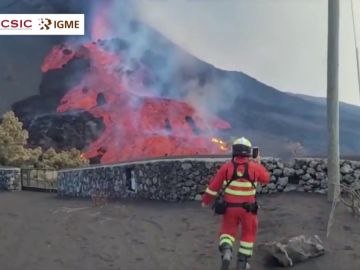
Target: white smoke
(174, 74)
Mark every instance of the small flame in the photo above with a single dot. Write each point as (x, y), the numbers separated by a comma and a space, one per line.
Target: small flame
(222, 145)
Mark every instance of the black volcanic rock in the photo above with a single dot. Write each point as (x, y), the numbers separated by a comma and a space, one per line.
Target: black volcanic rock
(34, 106)
(57, 82)
(64, 131)
(54, 85)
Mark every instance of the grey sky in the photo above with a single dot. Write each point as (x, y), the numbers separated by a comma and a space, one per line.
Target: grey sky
(279, 42)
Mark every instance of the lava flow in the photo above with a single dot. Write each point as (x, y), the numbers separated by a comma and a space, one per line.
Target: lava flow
(138, 124)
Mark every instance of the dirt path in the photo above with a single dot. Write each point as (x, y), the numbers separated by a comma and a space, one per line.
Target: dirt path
(39, 231)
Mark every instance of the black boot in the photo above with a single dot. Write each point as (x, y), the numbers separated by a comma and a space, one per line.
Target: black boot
(226, 254)
(242, 262)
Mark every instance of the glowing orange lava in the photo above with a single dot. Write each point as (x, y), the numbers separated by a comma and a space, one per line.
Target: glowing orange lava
(137, 123)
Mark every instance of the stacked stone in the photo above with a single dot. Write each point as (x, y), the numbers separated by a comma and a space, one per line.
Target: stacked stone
(279, 174)
(350, 172)
(312, 175)
(174, 180)
(186, 179)
(10, 179)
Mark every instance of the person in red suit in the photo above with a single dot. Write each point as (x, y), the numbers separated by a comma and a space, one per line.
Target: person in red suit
(239, 177)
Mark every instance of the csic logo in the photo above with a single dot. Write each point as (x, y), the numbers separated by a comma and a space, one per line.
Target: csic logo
(45, 24)
(9, 24)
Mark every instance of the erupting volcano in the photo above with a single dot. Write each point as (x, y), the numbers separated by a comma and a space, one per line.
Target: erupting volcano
(121, 90)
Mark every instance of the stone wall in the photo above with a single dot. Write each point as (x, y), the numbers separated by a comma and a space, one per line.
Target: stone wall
(10, 179)
(170, 180)
(186, 179)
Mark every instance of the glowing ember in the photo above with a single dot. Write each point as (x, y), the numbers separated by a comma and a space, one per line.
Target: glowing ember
(137, 123)
(222, 145)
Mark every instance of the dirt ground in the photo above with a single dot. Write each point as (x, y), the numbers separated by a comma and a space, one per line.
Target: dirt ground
(38, 231)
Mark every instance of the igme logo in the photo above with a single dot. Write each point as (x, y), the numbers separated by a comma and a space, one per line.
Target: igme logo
(67, 24)
(45, 24)
(42, 24)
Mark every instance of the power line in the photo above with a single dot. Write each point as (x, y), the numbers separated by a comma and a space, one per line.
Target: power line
(356, 42)
(353, 20)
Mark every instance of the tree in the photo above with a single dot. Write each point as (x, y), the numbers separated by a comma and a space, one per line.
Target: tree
(14, 150)
(13, 139)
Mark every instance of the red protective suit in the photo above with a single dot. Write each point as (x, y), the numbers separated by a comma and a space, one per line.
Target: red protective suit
(240, 190)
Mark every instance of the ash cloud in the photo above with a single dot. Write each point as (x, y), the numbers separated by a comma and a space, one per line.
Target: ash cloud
(174, 73)
(271, 118)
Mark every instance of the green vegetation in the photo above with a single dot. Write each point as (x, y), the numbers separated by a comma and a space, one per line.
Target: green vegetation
(14, 150)
(50, 159)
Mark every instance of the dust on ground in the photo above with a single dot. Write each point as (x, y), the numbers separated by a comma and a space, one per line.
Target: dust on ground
(41, 232)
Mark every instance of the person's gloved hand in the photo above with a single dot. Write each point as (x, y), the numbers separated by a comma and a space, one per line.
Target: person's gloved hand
(203, 205)
(257, 159)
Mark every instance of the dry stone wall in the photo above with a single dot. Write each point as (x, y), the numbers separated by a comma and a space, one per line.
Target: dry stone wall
(186, 179)
(10, 179)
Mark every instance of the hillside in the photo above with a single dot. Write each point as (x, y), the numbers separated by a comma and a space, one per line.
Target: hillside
(274, 120)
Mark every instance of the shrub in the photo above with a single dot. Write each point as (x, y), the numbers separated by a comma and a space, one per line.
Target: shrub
(14, 150)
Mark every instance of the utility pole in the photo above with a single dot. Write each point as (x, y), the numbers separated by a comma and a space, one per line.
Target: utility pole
(333, 100)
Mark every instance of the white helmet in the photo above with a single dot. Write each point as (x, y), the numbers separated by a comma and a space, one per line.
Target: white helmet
(241, 147)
